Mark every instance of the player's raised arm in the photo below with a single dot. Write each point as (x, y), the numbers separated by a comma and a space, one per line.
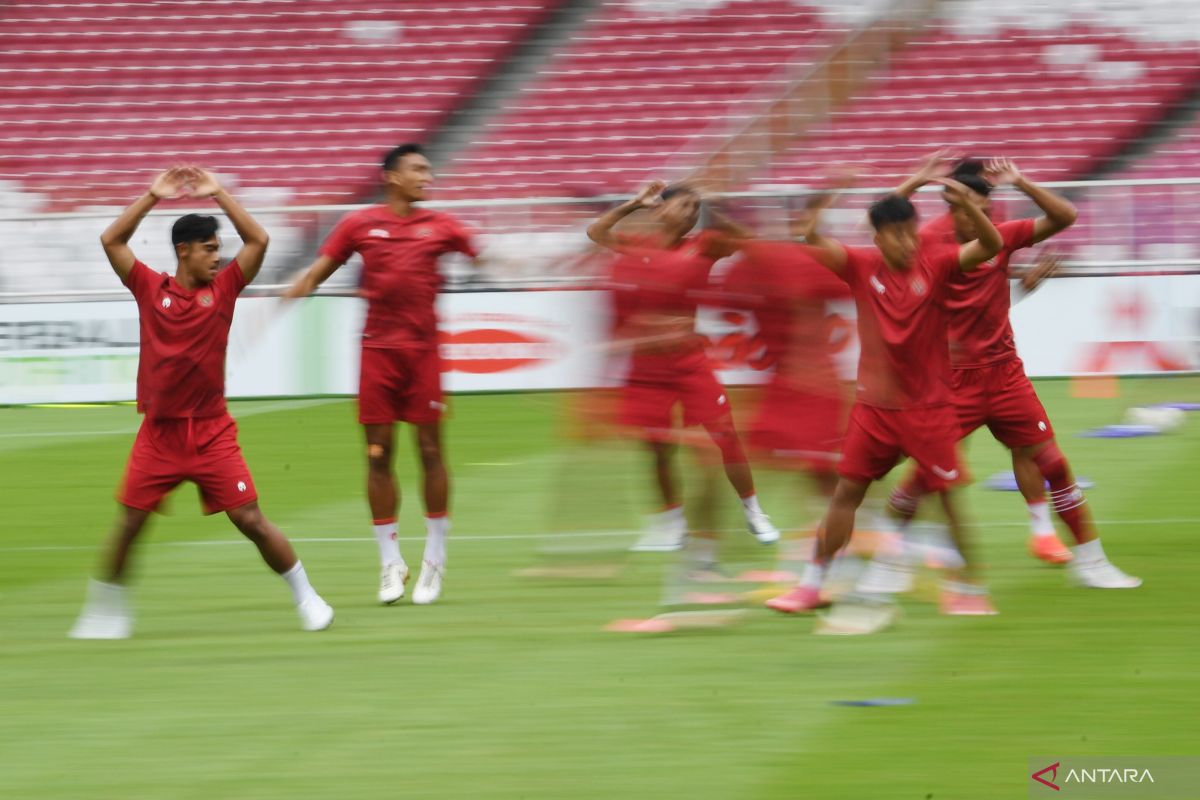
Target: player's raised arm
(988, 241)
(938, 165)
(1060, 214)
(253, 235)
(600, 231)
(829, 252)
(115, 239)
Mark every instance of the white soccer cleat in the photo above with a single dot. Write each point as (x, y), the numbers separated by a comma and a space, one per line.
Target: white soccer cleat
(759, 524)
(105, 615)
(1101, 574)
(429, 584)
(391, 582)
(315, 614)
(885, 576)
(102, 626)
(666, 532)
(857, 616)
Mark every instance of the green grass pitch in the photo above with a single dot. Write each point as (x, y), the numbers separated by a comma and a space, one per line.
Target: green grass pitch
(510, 688)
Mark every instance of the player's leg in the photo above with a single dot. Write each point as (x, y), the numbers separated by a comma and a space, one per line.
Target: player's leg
(380, 385)
(645, 411)
(383, 498)
(964, 593)
(1044, 543)
(436, 487)
(155, 467)
(1017, 420)
(106, 612)
(276, 551)
(1090, 567)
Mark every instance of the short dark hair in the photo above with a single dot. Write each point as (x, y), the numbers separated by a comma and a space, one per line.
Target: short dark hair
(891, 209)
(392, 159)
(968, 166)
(975, 183)
(194, 228)
(676, 189)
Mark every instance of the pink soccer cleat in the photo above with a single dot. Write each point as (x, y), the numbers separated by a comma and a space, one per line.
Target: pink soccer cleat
(957, 604)
(797, 601)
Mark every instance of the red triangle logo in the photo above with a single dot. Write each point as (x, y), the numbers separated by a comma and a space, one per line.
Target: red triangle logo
(1053, 770)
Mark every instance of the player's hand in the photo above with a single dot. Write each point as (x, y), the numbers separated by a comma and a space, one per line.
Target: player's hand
(202, 182)
(939, 164)
(650, 195)
(1048, 264)
(956, 194)
(1000, 171)
(169, 185)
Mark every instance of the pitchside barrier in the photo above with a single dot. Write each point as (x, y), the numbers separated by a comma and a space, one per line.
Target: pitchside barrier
(531, 318)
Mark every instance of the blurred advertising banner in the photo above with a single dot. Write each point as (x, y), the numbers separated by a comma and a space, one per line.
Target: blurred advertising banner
(537, 340)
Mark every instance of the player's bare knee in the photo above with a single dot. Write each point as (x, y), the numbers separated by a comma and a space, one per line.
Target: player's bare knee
(431, 455)
(379, 457)
(249, 520)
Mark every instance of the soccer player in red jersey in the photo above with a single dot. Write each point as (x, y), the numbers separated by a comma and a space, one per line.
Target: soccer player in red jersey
(989, 381)
(187, 433)
(400, 373)
(801, 414)
(658, 281)
(904, 404)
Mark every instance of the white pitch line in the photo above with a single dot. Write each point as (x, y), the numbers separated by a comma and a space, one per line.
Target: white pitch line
(500, 537)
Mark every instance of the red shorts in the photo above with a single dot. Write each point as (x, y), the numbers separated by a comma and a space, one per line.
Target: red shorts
(1001, 397)
(399, 385)
(205, 450)
(878, 437)
(799, 426)
(650, 404)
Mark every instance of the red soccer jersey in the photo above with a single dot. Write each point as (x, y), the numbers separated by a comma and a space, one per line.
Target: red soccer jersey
(656, 292)
(181, 367)
(979, 301)
(902, 326)
(788, 290)
(400, 278)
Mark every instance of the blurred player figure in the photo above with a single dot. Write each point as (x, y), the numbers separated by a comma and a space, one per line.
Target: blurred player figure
(400, 373)
(904, 405)
(657, 281)
(989, 381)
(801, 415)
(187, 433)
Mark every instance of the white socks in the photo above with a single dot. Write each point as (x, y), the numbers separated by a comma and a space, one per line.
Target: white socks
(1090, 551)
(436, 529)
(389, 545)
(297, 579)
(1039, 519)
(750, 505)
(814, 575)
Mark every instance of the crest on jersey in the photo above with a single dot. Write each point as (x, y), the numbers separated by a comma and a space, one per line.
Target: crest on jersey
(206, 299)
(918, 287)
(424, 233)
(166, 302)
(378, 233)
(876, 285)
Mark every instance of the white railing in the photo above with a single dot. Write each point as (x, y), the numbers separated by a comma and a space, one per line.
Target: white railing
(1124, 226)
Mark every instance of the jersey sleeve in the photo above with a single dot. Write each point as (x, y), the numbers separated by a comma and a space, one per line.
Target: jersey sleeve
(1017, 233)
(341, 244)
(140, 280)
(460, 238)
(231, 280)
(715, 245)
(849, 275)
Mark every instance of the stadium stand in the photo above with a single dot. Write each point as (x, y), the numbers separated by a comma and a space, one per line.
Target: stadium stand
(307, 93)
(635, 88)
(1060, 90)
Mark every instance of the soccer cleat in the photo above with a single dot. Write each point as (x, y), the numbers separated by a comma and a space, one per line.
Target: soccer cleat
(885, 576)
(105, 614)
(663, 536)
(958, 604)
(1101, 574)
(391, 582)
(857, 616)
(1049, 549)
(102, 626)
(315, 614)
(760, 525)
(797, 601)
(429, 584)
